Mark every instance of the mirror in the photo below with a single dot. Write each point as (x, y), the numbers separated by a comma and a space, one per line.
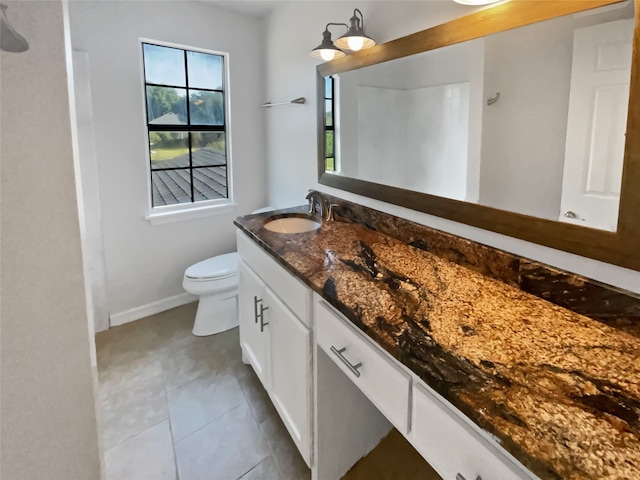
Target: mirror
(524, 122)
(531, 120)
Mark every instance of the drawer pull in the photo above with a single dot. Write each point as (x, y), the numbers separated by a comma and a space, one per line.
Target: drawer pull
(348, 364)
(262, 322)
(459, 476)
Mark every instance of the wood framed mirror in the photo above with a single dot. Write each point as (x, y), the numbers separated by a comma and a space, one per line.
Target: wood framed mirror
(619, 245)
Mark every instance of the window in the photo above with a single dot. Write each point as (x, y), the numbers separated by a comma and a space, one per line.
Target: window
(185, 105)
(329, 163)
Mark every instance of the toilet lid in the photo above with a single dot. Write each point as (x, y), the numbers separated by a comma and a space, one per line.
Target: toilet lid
(215, 267)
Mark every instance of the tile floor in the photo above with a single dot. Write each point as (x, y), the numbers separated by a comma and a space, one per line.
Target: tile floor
(175, 406)
(178, 406)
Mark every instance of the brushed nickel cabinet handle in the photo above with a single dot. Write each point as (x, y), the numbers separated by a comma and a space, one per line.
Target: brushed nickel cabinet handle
(347, 363)
(262, 322)
(570, 214)
(255, 309)
(459, 476)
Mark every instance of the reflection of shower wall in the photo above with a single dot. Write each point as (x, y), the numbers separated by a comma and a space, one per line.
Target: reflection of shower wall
(415, 123)
(415, 139)
(382, 145)
(437, 123)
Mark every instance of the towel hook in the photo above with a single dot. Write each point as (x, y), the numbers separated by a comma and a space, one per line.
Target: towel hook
(493, 100)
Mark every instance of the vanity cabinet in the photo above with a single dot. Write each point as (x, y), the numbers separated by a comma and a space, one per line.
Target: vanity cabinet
(454, 446)
(332, 383)
(275, 337)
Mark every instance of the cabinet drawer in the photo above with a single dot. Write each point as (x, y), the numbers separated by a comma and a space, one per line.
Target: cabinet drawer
(386, 385)
(452, 446)
(295, 294)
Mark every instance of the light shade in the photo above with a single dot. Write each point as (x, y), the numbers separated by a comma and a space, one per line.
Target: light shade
(327, 51)
(476, 2)
(355, 39)
(10, 40)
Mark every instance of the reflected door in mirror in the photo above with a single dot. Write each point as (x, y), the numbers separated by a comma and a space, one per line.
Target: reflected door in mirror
(599, 97)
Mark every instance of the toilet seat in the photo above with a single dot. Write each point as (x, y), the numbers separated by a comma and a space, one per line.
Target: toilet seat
(222, 266)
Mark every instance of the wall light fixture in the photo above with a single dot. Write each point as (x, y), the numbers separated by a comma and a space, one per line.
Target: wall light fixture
(355, 39)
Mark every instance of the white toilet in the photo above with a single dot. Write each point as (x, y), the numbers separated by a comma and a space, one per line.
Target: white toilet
(215, 280)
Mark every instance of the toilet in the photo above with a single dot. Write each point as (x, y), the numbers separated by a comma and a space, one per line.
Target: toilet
(215, 281)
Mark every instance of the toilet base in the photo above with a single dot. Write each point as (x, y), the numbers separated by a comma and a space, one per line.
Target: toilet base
(216, 313)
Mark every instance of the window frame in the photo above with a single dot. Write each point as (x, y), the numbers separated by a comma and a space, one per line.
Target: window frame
(193, 209)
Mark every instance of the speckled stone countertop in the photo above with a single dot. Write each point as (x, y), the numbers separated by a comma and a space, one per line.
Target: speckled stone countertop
(561, 391)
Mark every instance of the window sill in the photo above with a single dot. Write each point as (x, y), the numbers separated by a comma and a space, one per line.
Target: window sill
(158, 218)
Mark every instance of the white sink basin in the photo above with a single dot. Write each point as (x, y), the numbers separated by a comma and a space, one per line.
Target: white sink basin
(292, 225)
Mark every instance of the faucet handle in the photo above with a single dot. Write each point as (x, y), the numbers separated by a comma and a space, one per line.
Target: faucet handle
(331, 210)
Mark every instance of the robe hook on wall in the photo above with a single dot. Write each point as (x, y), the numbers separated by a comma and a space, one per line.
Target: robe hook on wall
(297, 101)
(493, 100)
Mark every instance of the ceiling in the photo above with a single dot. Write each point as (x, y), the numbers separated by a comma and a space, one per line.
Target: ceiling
(259, 8)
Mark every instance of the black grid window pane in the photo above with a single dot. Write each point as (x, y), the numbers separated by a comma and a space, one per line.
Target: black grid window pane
(171, 187)
(329, 144)
(328, 113)
(169, 150)
(164, 65)
(205, 71)
(328, 87)
(185, 103)
(166, 106)
(206, 108)
(329, 165)
(209, 183)
(208, 149)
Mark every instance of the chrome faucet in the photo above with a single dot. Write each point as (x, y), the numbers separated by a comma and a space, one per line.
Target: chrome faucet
(317, 204)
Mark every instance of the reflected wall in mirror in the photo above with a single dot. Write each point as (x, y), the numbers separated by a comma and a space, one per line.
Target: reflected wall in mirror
(530, 120)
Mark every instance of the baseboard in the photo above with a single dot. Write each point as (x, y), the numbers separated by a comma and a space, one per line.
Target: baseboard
(150, 309)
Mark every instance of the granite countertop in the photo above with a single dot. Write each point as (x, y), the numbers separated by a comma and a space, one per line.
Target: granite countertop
(559, 390)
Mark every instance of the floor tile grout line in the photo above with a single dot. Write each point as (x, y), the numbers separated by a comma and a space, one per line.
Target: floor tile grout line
(273, 456)
(207, 424)
(248, 400)
(253, 468)
(199, 377)
(120, 442)
(213, 419)
(173, 443)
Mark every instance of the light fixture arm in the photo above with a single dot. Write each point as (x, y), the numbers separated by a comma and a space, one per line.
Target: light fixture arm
(326, 29)
(360, 20)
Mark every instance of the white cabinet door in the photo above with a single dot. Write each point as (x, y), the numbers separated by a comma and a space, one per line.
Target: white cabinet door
(291, 379)
(254, 334)
(598, 103)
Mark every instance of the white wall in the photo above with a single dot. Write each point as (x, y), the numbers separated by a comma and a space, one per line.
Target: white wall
(291, 133)
(145, 263)
(48, 427)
